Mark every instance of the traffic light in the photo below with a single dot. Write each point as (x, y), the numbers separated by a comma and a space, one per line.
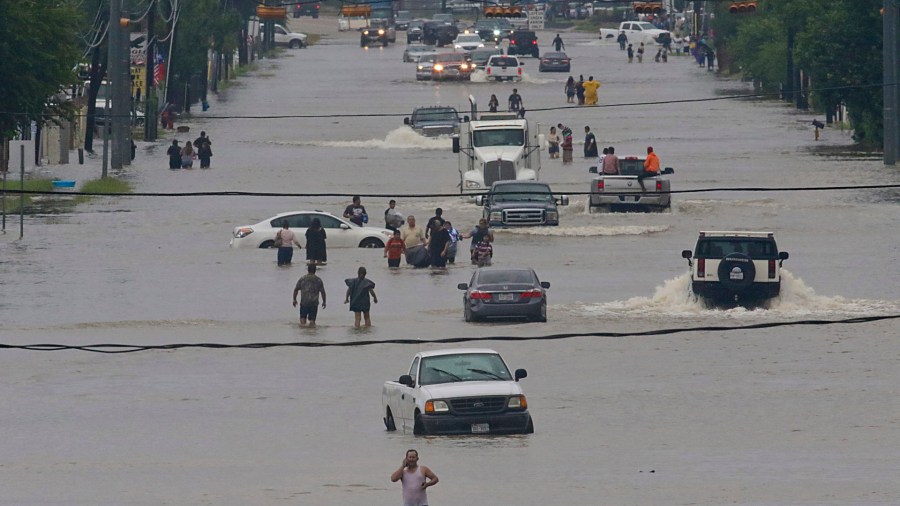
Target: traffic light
(742, 8)
(500, 11)
(647, 7)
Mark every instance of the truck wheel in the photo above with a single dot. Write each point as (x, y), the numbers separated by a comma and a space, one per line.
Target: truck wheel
(295, 44)
(529, 429)
(741, 266)
(418, 426)
(389, 421)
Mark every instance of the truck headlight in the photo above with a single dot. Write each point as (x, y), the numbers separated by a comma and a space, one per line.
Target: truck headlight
(517, 402)
(496, 33)
(380, 32)
(496, 216)
(552, 216)
(438, 407)
(438, 67)
(473, 184)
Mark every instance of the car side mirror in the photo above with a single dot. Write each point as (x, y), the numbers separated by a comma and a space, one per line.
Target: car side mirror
(455, 144)
(406, 121)
(592, 169)
(465, 119)
(462, 286)
(686, 254)
(545, 284)
(521, 373)
(479, 200)
(783, 255)
(406, 380)
(344, 226)
(563, 200)
(668, 170)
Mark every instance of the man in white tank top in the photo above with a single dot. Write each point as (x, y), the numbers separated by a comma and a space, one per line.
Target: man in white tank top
(415, 479)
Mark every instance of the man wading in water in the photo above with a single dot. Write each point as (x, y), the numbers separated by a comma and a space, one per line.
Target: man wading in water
(415, 479)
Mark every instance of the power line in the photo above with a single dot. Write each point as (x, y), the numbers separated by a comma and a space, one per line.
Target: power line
(114, 348)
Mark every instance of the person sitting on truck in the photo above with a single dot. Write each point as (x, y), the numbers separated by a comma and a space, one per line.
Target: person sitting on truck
(610, 163)
(651, 167)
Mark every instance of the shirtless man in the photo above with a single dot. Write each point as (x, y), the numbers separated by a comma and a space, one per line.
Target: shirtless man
(415, 479)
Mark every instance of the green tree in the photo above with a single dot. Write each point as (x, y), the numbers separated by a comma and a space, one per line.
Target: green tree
(38, 50)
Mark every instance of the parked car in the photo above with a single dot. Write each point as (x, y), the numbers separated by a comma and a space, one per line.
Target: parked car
(467, 42)
(735, 267)
(555, 62)
(504, 293)
(504, 68)
(434, 120)
(292, 40)
(401, 21)
(457, 391)
(414, 51)
(423, 66)
(451, 66)
(340, 232)
(307, 9)
(523, 42)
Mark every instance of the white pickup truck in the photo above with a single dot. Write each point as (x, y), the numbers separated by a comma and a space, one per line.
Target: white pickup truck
(637, 32)
(457, 391)
(625, 192)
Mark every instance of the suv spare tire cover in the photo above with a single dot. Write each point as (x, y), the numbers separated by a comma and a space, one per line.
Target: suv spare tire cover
(736, 272)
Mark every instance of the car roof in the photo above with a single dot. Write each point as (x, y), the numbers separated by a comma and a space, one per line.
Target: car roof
(291, 213)
(457, 351)
(736, 233)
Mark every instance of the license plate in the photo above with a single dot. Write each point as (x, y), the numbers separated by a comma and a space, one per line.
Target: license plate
(506, 297)
(630, 199)
(480, 428)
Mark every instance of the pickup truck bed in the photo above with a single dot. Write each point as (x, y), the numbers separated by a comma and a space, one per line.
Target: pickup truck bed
(624, 192)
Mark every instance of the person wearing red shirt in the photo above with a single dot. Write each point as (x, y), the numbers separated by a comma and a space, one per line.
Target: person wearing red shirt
(394, 250)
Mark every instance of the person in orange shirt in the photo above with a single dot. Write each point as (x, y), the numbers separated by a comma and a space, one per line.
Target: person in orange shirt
(651, 167)
(394, 250)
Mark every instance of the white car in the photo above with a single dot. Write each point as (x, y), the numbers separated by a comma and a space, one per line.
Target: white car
(293, 40)
(339, 232)
(504, 67)
(414, 51)
(468, 41)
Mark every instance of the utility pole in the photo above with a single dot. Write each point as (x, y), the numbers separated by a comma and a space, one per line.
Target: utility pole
(151, 103)
(890, 88)
(117, 83)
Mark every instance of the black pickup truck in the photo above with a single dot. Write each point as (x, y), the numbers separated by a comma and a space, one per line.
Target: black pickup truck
(521, 203)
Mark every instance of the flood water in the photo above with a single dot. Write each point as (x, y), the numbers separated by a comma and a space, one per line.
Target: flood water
(784, 415)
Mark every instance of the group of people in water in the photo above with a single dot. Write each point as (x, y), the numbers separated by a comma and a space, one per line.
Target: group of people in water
(182, 157)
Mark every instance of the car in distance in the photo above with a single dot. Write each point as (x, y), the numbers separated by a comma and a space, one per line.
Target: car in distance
(479, 57)
(735, 267)
(376, 33)
(340, 232)
(555, 62)
(402, 19)
(451, 66)
(435, 120)
(493, 29)
(293, 40)
(306, 9)
(523, 42)
(504, 68)
(467, 42)
(504, 293)
(414, 51)
(414, 31)
(438, 33)
(457, 391)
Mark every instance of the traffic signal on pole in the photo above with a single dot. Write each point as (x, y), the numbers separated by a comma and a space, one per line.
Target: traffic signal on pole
(500, 11)
(742, 7)
(647, 7)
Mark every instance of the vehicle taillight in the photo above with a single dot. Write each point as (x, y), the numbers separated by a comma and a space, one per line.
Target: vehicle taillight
(477, 295)
(488, 71)
(659, 186)
(534, 42)
(545, 61)
(512, 42)
(600, 185)
(565, 61)
(520, 70)
(771, 269)
(532, 294)
(701, 267)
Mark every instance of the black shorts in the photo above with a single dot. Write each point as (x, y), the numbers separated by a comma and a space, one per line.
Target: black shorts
(309, 312)
(393, 262)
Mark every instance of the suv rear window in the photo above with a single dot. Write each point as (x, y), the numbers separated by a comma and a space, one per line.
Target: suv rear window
(763, 249)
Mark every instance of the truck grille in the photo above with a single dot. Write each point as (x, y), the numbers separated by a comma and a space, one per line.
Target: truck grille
(523, 217)
(498, 170)
(478, 405)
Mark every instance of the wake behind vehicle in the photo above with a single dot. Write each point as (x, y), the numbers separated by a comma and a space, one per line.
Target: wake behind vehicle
(625, 193)
(735, 267)
(457, 391)
(521, 204)
(340, 232)
(505, 293)
(432, 121)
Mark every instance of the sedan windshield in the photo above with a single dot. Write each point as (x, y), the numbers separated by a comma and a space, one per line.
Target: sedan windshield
(463, 367)
(499, 137)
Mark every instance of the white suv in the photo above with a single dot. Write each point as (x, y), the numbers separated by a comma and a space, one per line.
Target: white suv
(503, 67)
(736, 267)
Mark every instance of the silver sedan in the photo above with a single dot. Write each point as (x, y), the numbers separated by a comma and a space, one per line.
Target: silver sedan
(505, 293)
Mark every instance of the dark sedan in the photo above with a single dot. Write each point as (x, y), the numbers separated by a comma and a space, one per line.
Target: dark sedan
(505, 293)
(555, 62)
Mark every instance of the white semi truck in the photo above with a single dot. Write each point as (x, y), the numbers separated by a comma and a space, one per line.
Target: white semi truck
(496, 147)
